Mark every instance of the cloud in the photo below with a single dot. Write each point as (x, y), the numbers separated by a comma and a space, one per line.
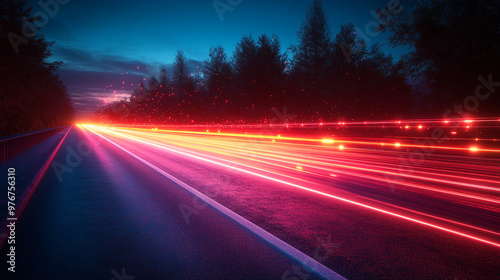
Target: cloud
(89, 61)
(96, 79)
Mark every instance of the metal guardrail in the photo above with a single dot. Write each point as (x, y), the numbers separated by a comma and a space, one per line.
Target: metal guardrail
(15, 145)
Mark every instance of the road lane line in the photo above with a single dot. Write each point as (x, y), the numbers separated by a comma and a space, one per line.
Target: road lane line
(314, 191)
(305, 260)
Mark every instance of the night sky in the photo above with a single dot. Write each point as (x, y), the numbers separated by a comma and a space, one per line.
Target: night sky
(108, 46)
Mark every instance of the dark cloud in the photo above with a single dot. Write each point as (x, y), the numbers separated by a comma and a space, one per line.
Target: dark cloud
(90, 61)
(94, 80)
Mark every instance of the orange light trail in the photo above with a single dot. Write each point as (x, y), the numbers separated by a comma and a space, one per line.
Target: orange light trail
(315, 165)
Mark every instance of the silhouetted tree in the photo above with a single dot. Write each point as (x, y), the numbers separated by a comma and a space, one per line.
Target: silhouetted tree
(270, 75)
(349, 50)
(244, 65)
(452, 44)
(165, 93)
(180, 77)
(217, 76)
(164, 77)
(329, 79)
(184, 87)
(259, 71)
(345, 90)
(31, 95)
(366, 83)
(312, 56)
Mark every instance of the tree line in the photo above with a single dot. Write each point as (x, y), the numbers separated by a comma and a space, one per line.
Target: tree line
(451, 44)
(32, 97)
(313, 80)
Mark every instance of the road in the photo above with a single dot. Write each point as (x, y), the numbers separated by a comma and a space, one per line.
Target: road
(110, 216)
(366, 208)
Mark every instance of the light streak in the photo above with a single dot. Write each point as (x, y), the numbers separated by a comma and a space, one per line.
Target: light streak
(458, 176)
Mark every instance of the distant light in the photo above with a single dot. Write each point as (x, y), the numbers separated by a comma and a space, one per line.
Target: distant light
(299, 167)
(208, 131)
(333, 175)
(454, 133)
(468, 121)
(341, 147)
(446, 121)
(467, 127)
(407, 127)
(420, 127)
(397, 145)
(477, 139)
(327, 141)
(473, 149)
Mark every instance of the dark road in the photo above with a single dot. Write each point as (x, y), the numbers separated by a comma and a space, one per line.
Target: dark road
(133, 201)
(113, 216)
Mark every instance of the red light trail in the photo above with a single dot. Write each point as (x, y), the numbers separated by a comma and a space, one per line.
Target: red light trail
(321, 165)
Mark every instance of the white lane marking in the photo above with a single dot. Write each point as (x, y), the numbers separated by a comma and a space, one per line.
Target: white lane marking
(305, 260)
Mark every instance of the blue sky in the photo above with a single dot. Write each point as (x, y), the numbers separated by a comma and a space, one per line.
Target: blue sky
(101, 43)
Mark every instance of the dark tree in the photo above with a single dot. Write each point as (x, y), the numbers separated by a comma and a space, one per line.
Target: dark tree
(312, 56)
(31, 95)
(184, 88)
(381, 88)
(244, 65)
(453, 43)
(164, 77)
(259, 71)
(270, 75)
(365, 83)
(217, 77)
(349, 50)
(165, 94)
(346, 90)
(180, 77)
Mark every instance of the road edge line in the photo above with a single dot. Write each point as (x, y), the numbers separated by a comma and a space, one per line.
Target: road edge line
(304, 259)
(32, 186)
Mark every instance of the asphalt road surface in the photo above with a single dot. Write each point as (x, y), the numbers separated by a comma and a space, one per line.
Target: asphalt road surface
(133, 201)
